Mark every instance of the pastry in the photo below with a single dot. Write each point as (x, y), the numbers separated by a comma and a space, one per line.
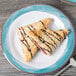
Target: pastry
(48, 40)
(28, 46)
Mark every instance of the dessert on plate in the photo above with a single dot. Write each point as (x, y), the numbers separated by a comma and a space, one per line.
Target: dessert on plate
(28, 46)
(38, 36)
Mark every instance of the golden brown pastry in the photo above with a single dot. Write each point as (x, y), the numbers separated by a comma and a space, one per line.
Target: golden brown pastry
(29, 47)
(48, 40)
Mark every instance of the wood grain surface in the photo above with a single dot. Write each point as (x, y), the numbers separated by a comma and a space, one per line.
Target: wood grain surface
(7, 7)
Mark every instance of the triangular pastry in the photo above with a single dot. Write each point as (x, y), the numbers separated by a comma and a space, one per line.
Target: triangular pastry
(48, 40)
(28, 46)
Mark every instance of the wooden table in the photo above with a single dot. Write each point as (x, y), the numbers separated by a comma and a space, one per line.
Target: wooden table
(7, 7)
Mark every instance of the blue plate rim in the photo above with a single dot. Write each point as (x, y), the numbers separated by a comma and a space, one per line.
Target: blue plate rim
(45, 6)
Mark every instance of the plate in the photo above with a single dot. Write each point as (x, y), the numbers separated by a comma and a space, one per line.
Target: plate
(12, 47)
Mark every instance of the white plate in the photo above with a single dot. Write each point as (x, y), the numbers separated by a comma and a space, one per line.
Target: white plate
(15, 46)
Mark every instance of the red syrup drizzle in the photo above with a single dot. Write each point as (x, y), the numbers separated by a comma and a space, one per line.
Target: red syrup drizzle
(38, 45)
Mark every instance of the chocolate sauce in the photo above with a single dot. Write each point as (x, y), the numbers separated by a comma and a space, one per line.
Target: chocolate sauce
(47, 50)
(29, 28)
(24, 37)
(51, 44)
(60, 37)
(41, 39)
(28, 46)
(43, 24)
(21, 33)
(32, 27)
(46, 33)
(28, 36)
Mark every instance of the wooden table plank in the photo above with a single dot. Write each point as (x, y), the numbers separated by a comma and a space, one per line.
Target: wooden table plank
(7, 7)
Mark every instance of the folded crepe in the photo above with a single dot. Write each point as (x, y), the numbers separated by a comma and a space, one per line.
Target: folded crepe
(28, 46)
(48, 40)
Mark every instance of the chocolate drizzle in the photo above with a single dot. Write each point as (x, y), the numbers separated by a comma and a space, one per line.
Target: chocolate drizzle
(60, 37)
(42, 40)
(24, 38)
(21, 33)
(43, 24)
(26, 46)
(32, 27)
(46, 33)
(47, 50)
(51, 44)
(26, 42)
